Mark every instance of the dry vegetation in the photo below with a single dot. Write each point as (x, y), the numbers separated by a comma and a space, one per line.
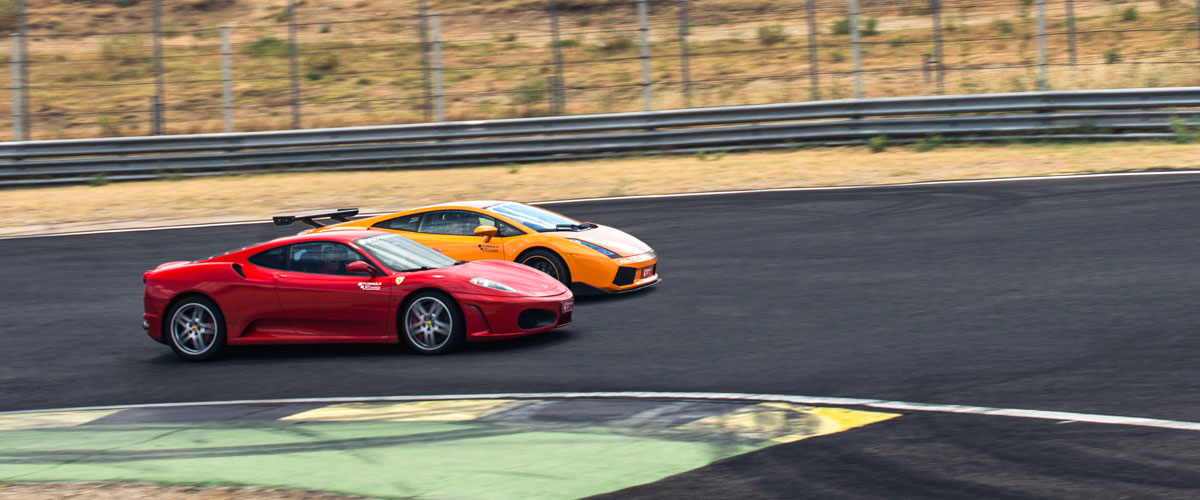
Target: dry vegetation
(360, 62)
(256, 197)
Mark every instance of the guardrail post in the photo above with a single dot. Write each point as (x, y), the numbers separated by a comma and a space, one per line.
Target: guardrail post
(227, 78)
(684, 62)
(426, 77)
(814, 79)
(1071, 31)
(293, 65)
(643, 27)
(935, 9)
(856, 49)
(556, 89)
(439, 98)
(1042, 82)
(23, 46)
(156, 128)
(18, 108)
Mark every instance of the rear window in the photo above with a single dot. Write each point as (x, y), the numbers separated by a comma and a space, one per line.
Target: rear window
(405, 223)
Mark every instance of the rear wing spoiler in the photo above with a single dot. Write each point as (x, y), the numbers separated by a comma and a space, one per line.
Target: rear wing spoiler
(340, 215)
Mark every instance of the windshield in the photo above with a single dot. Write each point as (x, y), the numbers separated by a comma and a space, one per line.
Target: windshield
(402, 254)
(532, 217)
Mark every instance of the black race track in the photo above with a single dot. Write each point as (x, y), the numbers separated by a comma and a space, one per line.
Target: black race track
(1075, 295)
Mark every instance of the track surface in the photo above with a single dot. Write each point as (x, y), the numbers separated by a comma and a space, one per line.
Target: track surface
(1071, 295)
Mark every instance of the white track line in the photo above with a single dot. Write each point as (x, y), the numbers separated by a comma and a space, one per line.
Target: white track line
(662, 196)
(716, 396)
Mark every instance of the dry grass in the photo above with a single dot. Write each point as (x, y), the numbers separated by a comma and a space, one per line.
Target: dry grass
(498, 58)
(144, 204)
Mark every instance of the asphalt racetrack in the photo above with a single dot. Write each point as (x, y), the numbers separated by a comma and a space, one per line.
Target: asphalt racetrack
(1074, 295)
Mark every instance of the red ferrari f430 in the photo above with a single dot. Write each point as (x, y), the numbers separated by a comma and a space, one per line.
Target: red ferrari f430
(346, 286)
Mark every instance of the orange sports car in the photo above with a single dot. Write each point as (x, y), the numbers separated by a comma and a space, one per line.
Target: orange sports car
(588, 257)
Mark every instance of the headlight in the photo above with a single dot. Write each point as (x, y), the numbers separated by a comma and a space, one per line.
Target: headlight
(494, 285)
(607, 253)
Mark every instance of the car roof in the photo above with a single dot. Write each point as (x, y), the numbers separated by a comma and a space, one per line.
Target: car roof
(341, 235)
(469, 204)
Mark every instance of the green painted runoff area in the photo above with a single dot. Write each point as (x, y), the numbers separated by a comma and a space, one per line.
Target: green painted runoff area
(429, 460)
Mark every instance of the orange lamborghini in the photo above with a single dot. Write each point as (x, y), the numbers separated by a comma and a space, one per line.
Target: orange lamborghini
(588, 257)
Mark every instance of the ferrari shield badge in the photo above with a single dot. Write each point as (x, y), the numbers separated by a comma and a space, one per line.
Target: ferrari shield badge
(399, 280)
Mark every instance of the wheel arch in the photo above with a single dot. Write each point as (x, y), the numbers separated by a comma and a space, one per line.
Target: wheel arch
(179, 297)
(550, 249)
(408, 298)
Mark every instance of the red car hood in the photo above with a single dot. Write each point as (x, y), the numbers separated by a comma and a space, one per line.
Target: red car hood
(526, 280)
(611, 238)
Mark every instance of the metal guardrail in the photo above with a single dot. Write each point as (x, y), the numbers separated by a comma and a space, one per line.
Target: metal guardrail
(1098, 114)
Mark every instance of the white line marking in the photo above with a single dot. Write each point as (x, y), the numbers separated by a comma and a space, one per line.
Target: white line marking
(660, 196)
(717, 396)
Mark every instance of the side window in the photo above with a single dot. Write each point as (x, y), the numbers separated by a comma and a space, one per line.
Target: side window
(463, 223)
(321, 257)
(507, 230)
(452, 222)
(275, 258)
(406, 223)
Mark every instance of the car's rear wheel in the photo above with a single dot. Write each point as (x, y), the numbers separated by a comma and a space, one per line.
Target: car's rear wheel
(547, 262)
(433, 323)
(196, 329)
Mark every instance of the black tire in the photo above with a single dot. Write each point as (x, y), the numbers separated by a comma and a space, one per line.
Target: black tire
(547, 262)
(431, 323)
(195, 329)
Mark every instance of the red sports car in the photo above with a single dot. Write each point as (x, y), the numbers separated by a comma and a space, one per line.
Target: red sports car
(346, 286)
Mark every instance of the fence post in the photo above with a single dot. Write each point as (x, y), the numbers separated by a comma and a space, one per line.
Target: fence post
(1071, 31)
(855, 49)
(1042, 83)
(814, 79)
(293, 66)
(439, 101)
(227, 78)
(684, 60)
(157, 126)
(1198, 21)
(643, 27)
(18, 109)
(936, 11)
(556, 48)
(155, 110)
(426, 82)
(23, 46)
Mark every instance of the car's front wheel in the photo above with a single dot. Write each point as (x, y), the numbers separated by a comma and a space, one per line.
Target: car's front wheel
(433, 323)
(547, 262)
(196, 329)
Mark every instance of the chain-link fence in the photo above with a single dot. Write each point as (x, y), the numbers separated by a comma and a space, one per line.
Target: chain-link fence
(371, 62)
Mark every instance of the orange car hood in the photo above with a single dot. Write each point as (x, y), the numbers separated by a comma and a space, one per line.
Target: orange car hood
(613, 239)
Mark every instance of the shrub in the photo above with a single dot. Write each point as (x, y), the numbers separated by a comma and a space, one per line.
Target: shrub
(616, 44)
(771, 35)
(1183, 133)
(268, 46)
(97, 180)
(124, 3)
(1003, 27)
(8, 13)
(837, 56)
(363, 81)
(928, 143)
(1112, 56)
(124, 49)
(1129, 14)
(878, 143)
(922, 8)
(529, 92)
(323, 62)
(895, 42)
(870, 27)
(841, 26)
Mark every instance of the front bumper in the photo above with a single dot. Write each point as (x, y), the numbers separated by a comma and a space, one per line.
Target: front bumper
(599, 275)
(491, 317)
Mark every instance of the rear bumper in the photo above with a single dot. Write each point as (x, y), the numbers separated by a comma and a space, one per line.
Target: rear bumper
(492, 317)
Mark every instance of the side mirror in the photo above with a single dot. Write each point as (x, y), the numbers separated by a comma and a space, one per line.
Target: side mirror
(488, 232)
(360, 267)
